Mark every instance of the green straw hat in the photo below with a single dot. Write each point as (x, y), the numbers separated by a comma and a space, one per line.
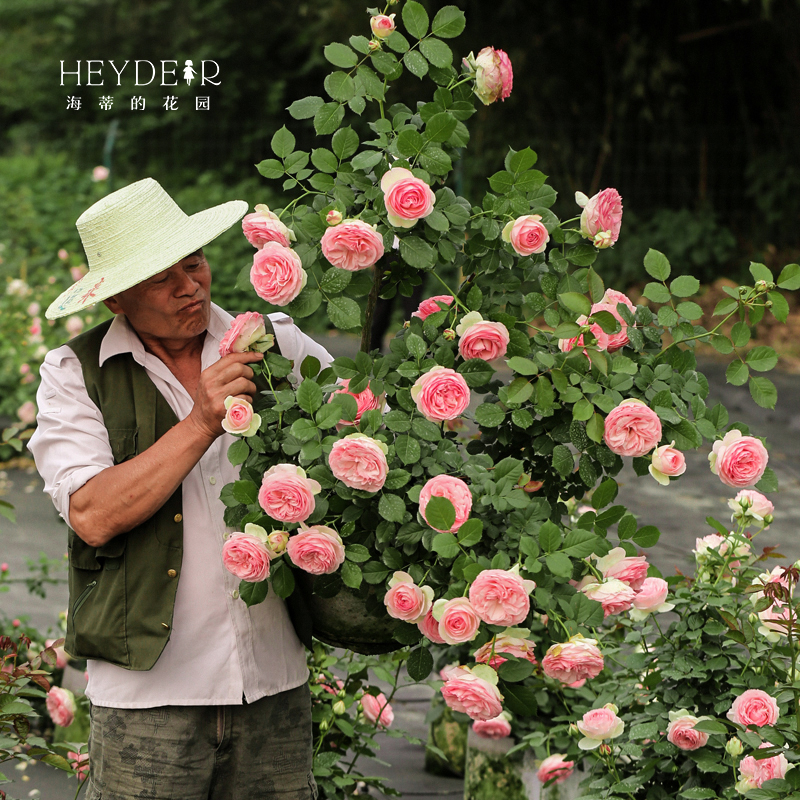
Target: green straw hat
(135, 233)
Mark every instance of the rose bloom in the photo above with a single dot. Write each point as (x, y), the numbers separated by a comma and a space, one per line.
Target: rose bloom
(465, 692)
(27, 412)
(575, 660)
(333, 217)
(614, 595)
(754, 707)
(490, 653)
(431, 305)
(632, 429)
(382, 25)
(555, 767)
(264, 226)
(352, 245)
(317, 550)
(501, 597)
(407, 601)
(457, 619)
(667, 462)
(599, 724)
(614, 298)
(601, 214)
(246, 556)
(628, 569)
(277, 274)
(604, 341)
(738, 460)
(276, 542)
(651, 599)
(239, 417)
(407, 198)
(481, 338)
(377, 710)
(494, 77)
(755, 772)
(365, 401)
(440, 394)
(429, 628)
(454, 490)
(61, 706)
(527, 235)
(681, 732)
(359, 462)
(286, 494)
(751, 506)
(100, 174)
(496, 728)
(245, 330)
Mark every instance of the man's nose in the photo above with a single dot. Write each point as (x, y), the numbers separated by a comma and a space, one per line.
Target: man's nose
(187, 283)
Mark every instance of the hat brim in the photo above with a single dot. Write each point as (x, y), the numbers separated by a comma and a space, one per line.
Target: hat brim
(195, 232)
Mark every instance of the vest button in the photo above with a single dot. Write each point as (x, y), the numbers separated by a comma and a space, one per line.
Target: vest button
(178, 517)
(165, 625)
(171, 573)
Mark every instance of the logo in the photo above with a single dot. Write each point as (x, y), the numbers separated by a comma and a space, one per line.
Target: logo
(96, 72)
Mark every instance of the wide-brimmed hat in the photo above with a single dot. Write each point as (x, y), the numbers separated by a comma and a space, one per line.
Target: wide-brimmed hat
(135, 233)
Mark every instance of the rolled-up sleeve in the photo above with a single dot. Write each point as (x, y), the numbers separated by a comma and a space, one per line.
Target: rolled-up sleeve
(70, 445)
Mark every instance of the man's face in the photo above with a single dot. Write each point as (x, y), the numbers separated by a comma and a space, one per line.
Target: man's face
(174, 304)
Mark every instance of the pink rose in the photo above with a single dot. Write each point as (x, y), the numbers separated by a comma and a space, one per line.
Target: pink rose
(491, 652)
(264, 226)
(738, 460)
(27, 412)
(317, 550)
(527, 235)
(352, 245)
(441, 394)
(466, 692)
(277, 274)
(599, 724)
(632, 429)
(681, 732)
(494, 77)
(431, 305)
(63, 254)
(245, 330)
(651, 599)
(602, 214)
(76, 273)
(605, 341)
(365, 401)
(407, 198)
(458, 621)
(496, 728)
(574, 660)
(61, 655)
(501, 597)
(359, 462)
(61, 706)
(73, 325)
(667, 462)
(377, 710)
(286, 494)
(276, 543)
(333, 217)
(382, 25)
(613, 298)
(429, 627)
(455, 490)
(753, 773)
(628, 569)
(481, 338)
(246, 556)
(614, 595)
(100, 174)
(555, 768)
(407, 601)
(754, 707)
(239, 417)
(751, 505)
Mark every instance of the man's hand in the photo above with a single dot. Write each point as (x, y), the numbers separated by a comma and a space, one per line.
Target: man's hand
(230, 376)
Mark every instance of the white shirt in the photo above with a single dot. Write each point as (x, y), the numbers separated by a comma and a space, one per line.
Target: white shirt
(219, 650)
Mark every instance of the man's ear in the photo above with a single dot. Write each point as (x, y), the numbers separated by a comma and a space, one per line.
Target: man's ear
(112, 305)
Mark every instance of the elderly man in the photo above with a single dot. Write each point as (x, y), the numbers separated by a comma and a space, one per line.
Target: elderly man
(193, 694)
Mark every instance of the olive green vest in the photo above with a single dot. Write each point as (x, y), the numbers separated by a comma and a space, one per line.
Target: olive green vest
(122, 595)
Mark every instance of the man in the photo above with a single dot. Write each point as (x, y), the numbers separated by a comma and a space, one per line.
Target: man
(193, 694)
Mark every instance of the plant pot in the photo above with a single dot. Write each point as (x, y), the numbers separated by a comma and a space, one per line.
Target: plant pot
(489, 773)
(450, 736)
(343, 620)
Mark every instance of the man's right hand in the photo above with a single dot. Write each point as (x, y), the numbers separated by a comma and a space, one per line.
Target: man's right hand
(230, 376)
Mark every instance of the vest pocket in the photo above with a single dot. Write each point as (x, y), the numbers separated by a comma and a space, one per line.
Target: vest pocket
(82, 598)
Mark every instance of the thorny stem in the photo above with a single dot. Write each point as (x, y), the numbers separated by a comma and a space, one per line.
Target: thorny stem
(372, 300)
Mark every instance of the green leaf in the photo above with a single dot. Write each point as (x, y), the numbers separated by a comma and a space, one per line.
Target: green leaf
(419, 664)
(328, 118)
(282, 142)
(335, 280)
(435, 160)
(397, 42)
(340, 86)
(272, 169)
(344, 143)
(344, 312)
(440, 127)
(737, 373)
(585, 611)
(711, 726)
(391, 507)
(605, 493)
(515, 671)
(657, 292)
(448, 23)
(667, 316)
(410, 143)
(762, 359)
(415, 19)
(780, 307)
(309, 396)
(768, 482)
(445, 545)
(367, 160)
(520, 700)
(282, 579)
(437, 52)
(760, 272)
(305, 108)
(684, 286)
(559, 564)
(763, 391)
(519, 390)
(595, 428)
(657, 265)
(407, 449)
(340, 55)
(579, 543)
(357, 553)
(562, 460)
(789, 278)
(502, 182)
(425, 429)
(740, 334)
(440, 513)
(646, 536)
(417, 253)
(238, 452)
(489, 415)
(253, 593)
(374, 572)
(596, 287)
(245, 492)
(689, 310)
(415, 63)
(523, 366)
(470, 533)
(351, 575)
(549, 537)
(575, 302)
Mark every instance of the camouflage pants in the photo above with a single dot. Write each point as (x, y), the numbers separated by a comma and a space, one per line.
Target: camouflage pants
(253, 751)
